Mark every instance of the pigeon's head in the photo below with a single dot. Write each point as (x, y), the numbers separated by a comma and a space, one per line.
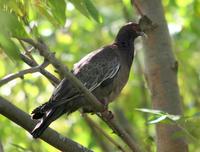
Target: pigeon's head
(130, 31)
(133, 28)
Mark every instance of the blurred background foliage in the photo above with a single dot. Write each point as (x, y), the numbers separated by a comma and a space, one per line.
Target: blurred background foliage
(73, 28)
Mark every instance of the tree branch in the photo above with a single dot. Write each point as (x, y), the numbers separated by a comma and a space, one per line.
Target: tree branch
(21, 74)
(105, 146)
(112, 123)
(50, 136)
(137, 6)
(94, 125)
(47, 74)
(27, 52)
(119, 130)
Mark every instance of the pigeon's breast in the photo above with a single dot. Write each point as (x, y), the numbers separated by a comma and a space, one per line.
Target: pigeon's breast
(119, 83)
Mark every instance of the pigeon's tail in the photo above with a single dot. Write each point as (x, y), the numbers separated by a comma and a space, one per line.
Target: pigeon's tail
(48, 115)
(46, 120)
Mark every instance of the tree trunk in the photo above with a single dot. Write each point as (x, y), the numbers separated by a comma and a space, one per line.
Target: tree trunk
(161, 68)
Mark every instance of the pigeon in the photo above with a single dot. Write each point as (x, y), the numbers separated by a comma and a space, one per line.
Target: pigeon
(104, 72)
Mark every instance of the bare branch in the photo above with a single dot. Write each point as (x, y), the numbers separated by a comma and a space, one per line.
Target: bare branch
(21, 74)
(47, 74)
(103, 144)
(50, 136)
(27, 52)
(117, 129)
(94, 125)
(137, 6)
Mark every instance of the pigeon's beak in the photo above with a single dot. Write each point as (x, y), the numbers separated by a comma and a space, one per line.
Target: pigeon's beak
(140, 33)
(138, 30)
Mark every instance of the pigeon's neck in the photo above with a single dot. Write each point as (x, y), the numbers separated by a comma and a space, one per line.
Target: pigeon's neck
(125, 44)
(128, 54)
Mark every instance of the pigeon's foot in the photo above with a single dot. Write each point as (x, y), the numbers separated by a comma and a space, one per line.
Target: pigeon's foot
(107, 114)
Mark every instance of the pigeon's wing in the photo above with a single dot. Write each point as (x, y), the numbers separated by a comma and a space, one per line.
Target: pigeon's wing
(94, 69)
(97, 67)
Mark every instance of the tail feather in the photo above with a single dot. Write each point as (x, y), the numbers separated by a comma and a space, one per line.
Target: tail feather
(40, 111)
(47, 117)
(65, 99)
(46, 120)
(37, 113)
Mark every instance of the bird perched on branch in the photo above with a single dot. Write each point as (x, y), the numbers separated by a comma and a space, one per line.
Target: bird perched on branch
(104, 72)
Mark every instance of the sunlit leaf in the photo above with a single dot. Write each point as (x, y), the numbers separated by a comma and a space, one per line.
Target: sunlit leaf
(92, 10)
(9, 47)
(161, 118)
(81, 7)
(174, 117)
(162, 115)
(152, 111)
(43, 9)
(11, 25)
(58, 10)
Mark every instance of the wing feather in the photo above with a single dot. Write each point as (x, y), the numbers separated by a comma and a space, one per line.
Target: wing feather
(97, 67)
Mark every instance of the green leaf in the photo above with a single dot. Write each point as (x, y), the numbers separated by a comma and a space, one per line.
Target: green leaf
(92, 10)
(43, 10)
(174, 117)
(162, 115)
(159, 119)
(152, 111)
(58, 10)
(81, 7)
(11, 26)
(9, 47)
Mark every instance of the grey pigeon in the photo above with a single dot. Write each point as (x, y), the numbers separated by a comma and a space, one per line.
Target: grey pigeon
(104, 72)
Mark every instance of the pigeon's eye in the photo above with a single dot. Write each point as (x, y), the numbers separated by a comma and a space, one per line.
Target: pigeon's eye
(123, 44)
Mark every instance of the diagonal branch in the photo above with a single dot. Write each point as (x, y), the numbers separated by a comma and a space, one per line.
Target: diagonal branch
(21, 74)
(94, 125)
(112, 123)
(54, 81)
(137, 6)
(50, 136)
(27, 52)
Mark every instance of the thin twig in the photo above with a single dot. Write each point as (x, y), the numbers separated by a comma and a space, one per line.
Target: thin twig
(21, 74)
(117, 129)
(31, 62)
(146, 24)
(93, 124)
(137, 6)
(54, 81)
(27, 52)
